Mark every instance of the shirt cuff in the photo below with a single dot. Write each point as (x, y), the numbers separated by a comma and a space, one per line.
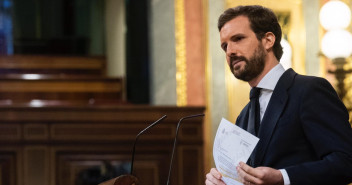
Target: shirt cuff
(285, 177)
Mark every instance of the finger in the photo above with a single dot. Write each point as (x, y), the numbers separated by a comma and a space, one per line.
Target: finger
(250, 170)
(215, 173)
(248, 183)
(208, 182)
(212, 180)
(240, 178)
(214, 177)
(245, 176)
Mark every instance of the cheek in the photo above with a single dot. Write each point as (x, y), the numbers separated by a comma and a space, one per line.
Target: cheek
(250, 48)
(228, 60)
(250, 52)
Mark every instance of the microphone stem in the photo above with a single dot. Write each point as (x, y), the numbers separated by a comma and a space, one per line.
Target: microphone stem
(133, 151)
(172, 154)
(140, 133)
(175, 142)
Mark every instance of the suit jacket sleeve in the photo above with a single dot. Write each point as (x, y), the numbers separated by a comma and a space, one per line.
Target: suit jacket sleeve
(324, 120)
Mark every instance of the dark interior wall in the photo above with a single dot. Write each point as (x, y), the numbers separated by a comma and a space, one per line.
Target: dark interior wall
(38, 18)
(76, 27)
(59, 27)
(137, 56)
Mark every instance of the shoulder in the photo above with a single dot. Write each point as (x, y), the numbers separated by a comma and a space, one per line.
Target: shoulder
(313, 83)
(309, 80)
(306, 82)
(319, 94)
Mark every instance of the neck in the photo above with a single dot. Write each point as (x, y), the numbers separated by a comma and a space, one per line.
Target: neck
(270, 63)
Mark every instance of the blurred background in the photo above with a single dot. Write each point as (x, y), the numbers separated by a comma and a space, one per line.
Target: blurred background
(149, 57)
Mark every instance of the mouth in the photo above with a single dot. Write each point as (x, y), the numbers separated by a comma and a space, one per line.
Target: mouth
(235, 63)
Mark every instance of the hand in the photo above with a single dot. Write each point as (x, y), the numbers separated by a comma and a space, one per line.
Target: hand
(214, 178)
(259, 175)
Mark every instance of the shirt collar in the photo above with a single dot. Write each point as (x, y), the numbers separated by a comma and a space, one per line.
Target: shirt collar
(271, 78)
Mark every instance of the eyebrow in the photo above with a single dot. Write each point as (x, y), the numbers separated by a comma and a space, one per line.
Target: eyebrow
(238, 35)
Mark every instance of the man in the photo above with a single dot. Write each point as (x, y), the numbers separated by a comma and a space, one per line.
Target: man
(305, 136)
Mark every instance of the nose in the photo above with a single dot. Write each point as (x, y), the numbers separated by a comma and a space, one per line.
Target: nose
(231, 49)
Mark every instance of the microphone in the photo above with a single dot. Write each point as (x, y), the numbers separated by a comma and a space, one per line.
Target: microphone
(175, 141)
(129, 179)
(140, 133)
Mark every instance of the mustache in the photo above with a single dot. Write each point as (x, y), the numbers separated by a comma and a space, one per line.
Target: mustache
(237, 58)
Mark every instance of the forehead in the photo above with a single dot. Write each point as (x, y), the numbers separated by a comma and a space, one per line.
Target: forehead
(237, 25)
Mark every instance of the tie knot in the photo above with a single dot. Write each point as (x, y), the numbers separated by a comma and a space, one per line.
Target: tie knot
(255, 91)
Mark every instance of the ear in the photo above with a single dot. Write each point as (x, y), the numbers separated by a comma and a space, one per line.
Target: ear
(268, 40)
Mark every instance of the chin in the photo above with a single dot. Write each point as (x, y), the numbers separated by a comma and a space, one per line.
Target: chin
(237, 72)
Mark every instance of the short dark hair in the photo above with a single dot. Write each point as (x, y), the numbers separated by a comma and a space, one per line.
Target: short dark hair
(261, 19)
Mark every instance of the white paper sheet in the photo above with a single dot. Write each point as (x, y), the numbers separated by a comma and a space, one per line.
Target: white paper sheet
(232, 145)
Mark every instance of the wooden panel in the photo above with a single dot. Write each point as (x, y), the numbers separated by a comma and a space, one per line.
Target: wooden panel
(58, 98)
(191, 131)
(84, 164)
(36, 165)
(76, 168)
(190, 165)
(8, 168)
(148, 172)
(36, 132)
(10, 132)
(61, 85)
(88, 131)
(118, 113)
(22, 64)
(58, 144)
(59, 88)
(25, 77)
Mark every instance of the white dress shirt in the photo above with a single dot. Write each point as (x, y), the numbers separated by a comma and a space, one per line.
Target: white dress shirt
(268, 84)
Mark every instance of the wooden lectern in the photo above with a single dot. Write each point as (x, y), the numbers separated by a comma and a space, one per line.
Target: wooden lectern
(122, 180)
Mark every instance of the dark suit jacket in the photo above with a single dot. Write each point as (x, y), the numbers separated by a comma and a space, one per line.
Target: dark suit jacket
(305, 130)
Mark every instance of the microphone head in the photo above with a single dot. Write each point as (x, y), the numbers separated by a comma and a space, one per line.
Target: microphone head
(126, 180)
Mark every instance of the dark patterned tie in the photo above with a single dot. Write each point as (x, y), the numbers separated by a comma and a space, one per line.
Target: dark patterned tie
(254, 111)
(254, 118)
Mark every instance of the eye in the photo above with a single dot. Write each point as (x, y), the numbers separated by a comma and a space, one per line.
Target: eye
(224, 47)
(237, 38)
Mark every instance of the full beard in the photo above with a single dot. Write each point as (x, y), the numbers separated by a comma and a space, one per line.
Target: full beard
(253, 66)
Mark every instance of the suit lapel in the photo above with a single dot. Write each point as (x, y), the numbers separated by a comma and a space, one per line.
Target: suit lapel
(272, 114)
(242, 119)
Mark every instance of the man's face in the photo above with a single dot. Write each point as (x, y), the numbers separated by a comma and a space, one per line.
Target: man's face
(244, 53)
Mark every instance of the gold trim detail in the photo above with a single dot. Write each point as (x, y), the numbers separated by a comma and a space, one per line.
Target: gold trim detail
(180, 41)
(208, 142)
